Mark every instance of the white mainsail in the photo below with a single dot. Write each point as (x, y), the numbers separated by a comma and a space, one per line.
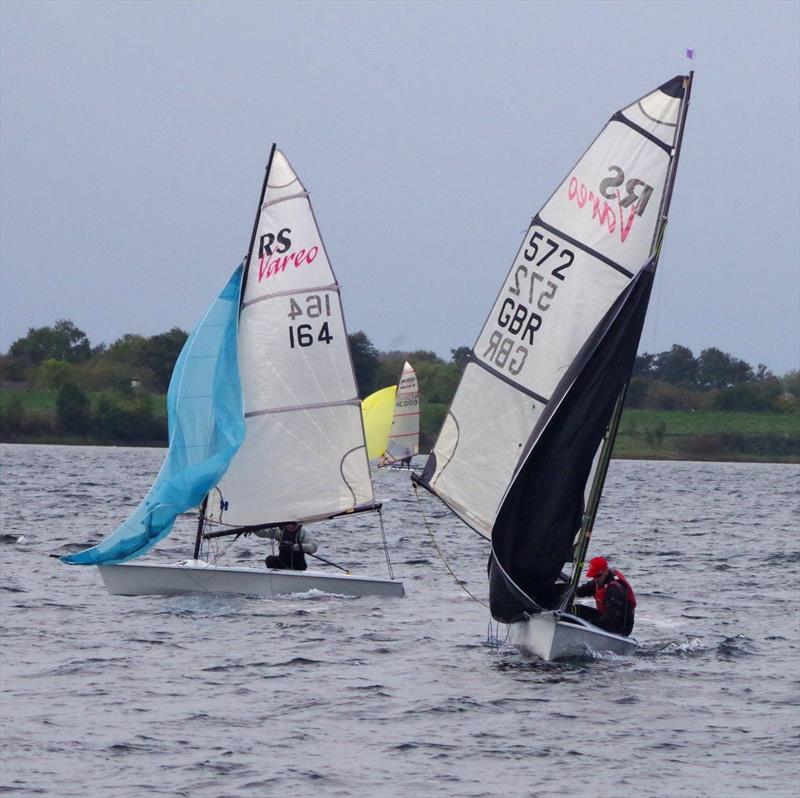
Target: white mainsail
(404, 434)
(304, 455)
(579, 253)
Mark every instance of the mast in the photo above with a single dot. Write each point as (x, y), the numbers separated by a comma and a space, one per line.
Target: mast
(202, 513)
(604, 459)
(255, 223)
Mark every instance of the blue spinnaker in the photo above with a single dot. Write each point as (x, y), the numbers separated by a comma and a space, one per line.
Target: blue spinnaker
(206, 427)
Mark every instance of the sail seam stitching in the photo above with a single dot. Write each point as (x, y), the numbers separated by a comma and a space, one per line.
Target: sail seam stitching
(652, 118)
(298, 195)
(331, 287)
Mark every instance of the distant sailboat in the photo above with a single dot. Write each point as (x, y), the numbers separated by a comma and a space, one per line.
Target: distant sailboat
(523, 452)
(403, 441)
(265, 420)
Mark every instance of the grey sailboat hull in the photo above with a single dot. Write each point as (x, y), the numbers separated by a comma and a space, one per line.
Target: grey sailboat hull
(136, 579)
(550, 638)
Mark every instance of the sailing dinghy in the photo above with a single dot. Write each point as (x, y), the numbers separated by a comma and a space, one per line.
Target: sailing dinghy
(524, 449)
(403, 441)
(264, 419)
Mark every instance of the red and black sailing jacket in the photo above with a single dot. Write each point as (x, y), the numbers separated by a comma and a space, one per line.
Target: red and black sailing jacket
(618, 578)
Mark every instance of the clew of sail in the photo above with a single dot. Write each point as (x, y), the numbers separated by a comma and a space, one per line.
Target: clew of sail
(377, 411)
(206, 428)
(542, 510)
(404, 435)
(578, 256)
(304, 455)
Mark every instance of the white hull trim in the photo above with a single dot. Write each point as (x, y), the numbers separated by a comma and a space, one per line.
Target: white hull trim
(134, 579)
(552, 639)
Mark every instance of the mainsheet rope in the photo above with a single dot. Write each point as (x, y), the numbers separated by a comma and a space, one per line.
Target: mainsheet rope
(458, 581)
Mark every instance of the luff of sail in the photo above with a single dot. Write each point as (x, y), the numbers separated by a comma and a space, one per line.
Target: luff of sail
(304, 455)
(206, 428)
(404, 434)
(578, 255)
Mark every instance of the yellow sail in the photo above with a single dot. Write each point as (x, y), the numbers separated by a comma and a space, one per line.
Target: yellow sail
(377, 411)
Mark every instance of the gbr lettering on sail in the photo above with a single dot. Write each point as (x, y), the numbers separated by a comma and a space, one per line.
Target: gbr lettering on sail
(557, 273)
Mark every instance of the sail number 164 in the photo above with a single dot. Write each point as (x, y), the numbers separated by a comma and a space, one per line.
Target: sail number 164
(313, 306)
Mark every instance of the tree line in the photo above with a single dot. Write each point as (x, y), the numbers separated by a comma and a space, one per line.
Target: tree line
(714, 380)
(114, 393)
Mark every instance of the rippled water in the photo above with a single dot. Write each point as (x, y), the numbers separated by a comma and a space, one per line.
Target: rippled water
(317, 695)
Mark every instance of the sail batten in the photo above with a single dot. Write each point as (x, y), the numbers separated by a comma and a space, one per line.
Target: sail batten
(588, 250)
(517, 385)
(622, 119)
(299, 408)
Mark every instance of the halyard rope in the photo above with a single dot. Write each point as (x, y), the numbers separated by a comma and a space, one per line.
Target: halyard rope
(459, 582)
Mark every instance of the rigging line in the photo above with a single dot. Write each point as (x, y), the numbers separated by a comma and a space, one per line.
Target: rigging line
(219, 552)
(656, 304)
(385, 545)
(459, 582)
(493, 639)
(330, 562)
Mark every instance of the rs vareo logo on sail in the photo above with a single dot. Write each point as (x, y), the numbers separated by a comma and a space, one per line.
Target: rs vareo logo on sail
(279, 245)
(619, 216)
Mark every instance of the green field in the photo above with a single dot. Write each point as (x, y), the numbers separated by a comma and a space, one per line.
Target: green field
(643, 434)
(40, 403)
(709, 435)
(43, 403)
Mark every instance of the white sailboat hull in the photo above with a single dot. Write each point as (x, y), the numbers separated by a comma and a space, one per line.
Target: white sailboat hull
(552, 639)
(176, 580)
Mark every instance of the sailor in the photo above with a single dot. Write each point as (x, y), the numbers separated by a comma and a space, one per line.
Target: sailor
(613, 596)
(293, 544)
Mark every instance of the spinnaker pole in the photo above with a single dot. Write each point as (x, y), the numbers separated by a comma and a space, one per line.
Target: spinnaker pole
(595, 492)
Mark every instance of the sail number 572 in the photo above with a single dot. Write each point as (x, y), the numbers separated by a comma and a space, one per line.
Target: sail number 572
(313, 306)
(531, 294)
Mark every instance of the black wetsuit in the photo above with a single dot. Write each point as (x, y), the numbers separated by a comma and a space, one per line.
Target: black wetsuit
(290, 555)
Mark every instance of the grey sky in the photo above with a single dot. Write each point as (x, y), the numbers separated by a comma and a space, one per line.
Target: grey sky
(134, 138)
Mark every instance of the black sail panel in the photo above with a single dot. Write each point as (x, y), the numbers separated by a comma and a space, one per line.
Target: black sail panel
(534, 530)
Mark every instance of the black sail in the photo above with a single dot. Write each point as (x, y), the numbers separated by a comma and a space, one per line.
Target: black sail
(541, 513)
